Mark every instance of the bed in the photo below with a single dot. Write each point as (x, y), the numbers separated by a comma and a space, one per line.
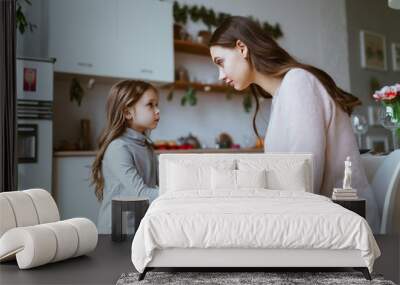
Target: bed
(247, 211)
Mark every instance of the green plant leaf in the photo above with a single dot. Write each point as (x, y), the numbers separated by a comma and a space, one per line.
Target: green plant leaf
(192, 97)
(170, 94)
(21, 21)
(211, 19)
(180, 13)
(183, 101)
(76, 91)
(189, 97)
(194, 13)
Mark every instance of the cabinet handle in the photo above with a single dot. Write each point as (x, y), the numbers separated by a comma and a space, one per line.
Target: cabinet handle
(86, 64)
(146, 70)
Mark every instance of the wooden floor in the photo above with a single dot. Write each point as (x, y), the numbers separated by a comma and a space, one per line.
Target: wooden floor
(110, 260)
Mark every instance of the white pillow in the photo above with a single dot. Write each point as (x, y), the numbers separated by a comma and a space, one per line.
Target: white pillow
(184, 175)
(282, 174)
(183, 178)
(251, 178)
(293, 178)
(225, 179)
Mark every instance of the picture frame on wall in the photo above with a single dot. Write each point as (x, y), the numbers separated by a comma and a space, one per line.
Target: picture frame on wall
(30, 82)
(378, 143)
(396, 56)
(373, 50)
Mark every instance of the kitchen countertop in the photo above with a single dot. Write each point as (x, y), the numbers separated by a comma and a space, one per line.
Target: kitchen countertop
(69, 153)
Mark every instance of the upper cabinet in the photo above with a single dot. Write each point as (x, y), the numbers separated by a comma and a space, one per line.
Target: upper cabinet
(145, 39)
(119, 38)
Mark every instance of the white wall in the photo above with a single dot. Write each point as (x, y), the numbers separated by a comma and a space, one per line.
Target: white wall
(314, 32)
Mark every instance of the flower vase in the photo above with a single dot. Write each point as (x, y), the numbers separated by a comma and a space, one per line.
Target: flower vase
(390, 119)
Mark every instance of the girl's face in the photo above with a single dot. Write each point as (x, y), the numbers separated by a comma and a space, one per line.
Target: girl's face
(144, 115)
(234, 68)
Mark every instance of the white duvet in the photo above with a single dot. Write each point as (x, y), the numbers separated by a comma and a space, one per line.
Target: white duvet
(252, 218)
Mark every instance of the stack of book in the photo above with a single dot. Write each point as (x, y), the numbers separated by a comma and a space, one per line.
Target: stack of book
(344, 194)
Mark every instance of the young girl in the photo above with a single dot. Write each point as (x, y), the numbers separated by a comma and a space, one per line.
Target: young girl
(310, 113)
(125, 164)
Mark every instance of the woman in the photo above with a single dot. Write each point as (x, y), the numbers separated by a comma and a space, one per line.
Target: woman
(309, 112)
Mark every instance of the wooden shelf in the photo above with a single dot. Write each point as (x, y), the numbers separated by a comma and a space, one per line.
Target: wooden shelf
(198, 49)
(191, 47)
(219, 88)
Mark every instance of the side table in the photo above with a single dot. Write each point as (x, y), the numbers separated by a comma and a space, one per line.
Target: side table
(137, 205)
(356, 205)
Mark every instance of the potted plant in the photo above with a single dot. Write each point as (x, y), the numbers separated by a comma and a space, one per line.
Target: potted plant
(180, 19)
(76, 91)
(21, 21)
(210, 20)
(189, 97)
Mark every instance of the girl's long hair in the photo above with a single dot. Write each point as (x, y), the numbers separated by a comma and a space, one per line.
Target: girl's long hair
(123, 95)
(269, 58)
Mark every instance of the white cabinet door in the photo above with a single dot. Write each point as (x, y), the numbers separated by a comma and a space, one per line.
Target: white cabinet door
(72, 188)
(113, 38)
(82, 36)
(145, 39)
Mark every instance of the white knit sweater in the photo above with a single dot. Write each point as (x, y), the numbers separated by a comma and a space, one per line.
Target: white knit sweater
(305, 118)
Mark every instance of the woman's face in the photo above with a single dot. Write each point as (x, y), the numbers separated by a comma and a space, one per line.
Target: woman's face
(144, 115)
(234, 68)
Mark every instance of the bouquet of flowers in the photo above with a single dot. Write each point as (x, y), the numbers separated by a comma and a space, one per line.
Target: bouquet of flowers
(389, 97)
(388, 94)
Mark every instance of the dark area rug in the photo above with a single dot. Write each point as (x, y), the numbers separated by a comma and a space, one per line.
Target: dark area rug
(243, 278)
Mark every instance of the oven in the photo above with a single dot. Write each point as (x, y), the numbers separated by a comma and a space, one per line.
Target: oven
(27, 141)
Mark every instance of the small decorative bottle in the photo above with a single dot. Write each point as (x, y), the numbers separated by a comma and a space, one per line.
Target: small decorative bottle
(84, 139)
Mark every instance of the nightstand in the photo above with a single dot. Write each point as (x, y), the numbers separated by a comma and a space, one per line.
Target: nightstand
(357, 205)
(137, 205)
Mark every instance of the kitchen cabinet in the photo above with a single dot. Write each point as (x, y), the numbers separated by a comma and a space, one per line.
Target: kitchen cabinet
(82, 36)
(145, 39)
(72, 188)
(118, 38)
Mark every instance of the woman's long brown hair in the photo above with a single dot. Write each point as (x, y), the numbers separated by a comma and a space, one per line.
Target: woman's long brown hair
(269, 58)
(123, 95)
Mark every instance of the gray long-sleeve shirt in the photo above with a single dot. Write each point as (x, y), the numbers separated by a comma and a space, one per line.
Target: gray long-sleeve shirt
(130, 168)
(304, 118)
